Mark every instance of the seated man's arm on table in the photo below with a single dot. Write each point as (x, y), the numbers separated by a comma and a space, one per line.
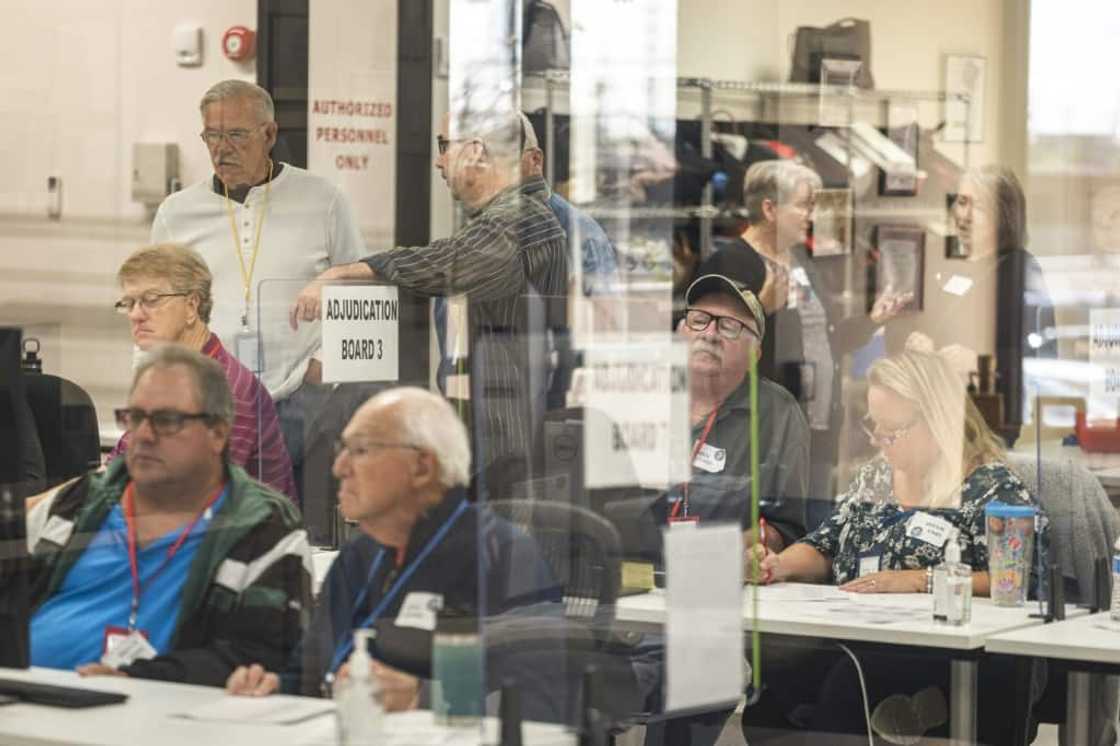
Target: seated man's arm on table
(784, 482)
(253, 611)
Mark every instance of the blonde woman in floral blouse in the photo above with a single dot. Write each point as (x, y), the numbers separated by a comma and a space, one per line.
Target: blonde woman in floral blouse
(938, 466)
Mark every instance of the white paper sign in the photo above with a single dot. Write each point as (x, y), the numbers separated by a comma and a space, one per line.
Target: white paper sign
(1104, 353)
(642, 393)
(352, 107)
(361, 331)
(704, 623)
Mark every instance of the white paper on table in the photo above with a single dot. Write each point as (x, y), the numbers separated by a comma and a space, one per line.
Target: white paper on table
(276, 710)
(704, 624)
(794, 592)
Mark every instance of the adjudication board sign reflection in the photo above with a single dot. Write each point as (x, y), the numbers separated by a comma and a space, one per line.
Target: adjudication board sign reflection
(643, 392)
(361, 333)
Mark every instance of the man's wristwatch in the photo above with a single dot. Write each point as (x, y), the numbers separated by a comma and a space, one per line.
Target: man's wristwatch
(929, 580)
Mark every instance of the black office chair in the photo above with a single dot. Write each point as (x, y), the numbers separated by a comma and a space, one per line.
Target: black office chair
(582, 550)
(584, 553)
(66, 421)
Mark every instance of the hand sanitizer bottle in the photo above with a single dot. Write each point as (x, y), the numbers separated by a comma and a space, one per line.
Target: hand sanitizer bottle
(952, 587)
(359, 697)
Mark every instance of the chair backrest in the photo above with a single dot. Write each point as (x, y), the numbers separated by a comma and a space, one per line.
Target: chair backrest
(1083, 523)
(582, 550)
(67, 424)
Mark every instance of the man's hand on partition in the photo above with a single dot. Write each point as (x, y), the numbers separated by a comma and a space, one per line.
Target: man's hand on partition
(99, 669)
(888, 581)
(306, 307)
(252, 681)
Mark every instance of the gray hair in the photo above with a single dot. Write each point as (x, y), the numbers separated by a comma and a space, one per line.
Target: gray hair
(428, 421)
(776, 181)
(232, 88)
(211, 387)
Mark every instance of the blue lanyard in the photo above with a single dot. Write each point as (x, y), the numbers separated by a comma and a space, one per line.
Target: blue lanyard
(346, 644)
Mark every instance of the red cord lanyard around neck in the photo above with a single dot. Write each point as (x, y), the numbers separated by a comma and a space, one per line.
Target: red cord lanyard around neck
(682, 504)
(129, 504)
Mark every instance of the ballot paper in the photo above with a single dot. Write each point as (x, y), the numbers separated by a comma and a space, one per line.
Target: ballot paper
(799, 592)
(704, 605)
(274, 710)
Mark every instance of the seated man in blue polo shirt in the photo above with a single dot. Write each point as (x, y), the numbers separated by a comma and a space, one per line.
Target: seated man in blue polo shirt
(173, 563)
(403, 462)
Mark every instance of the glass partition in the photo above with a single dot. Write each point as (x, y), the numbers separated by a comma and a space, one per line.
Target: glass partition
(778, 344)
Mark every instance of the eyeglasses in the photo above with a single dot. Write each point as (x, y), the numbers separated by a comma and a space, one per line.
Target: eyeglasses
(728, 327)
(165, 422)
(889, 437)
(147, 301)
(360, 448)
(236, 137)
(443, 143)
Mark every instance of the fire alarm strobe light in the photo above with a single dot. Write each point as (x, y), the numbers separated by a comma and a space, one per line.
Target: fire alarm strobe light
(237, 43)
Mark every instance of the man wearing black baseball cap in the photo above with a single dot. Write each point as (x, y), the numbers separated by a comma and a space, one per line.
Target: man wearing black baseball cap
(724, 324)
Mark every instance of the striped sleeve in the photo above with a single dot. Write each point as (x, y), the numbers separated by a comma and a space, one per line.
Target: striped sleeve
(482, 259)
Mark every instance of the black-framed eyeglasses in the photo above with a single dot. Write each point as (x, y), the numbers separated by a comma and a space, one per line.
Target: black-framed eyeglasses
(165, 422)
(728, 327)
(237, 137)
(147, 301)
(360, 448)
(889, 437)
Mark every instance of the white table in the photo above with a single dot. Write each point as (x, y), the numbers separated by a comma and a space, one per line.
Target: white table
(780, 613)
(147, 717)
(1079, 639)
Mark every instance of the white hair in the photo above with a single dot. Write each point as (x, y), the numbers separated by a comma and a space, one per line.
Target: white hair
(777, 181)
(233, 88)
(428, 421)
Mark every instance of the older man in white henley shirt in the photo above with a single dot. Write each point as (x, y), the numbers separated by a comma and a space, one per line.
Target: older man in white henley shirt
(258, 219)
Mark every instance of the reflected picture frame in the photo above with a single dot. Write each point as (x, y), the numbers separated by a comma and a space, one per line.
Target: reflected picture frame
(902, 129)
(967, 75)
(832, 223)
(954, 247)
(898, 264)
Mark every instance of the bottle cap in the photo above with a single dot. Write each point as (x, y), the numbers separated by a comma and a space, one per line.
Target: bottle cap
(953, 550)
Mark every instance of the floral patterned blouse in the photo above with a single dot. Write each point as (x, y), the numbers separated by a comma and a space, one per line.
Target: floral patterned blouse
(869, 521)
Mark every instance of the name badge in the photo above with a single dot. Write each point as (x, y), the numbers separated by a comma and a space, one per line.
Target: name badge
(929, 528)
(419, 610)
(246, 348)
(123, 647)
(868, 564)
(710, 459)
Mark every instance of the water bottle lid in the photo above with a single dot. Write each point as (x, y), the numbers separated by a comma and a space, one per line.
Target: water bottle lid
(1004, 510)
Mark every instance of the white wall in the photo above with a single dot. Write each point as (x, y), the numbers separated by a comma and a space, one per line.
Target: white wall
(81, 82)
(94, 78)
(752, 40)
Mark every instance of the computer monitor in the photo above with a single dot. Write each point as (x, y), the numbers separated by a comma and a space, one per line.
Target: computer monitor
(15, 427)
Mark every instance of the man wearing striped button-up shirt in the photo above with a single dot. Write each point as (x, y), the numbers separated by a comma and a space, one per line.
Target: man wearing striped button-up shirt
(510, 259)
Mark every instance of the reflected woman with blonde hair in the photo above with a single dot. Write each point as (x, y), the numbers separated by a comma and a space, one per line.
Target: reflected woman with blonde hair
(938, 466)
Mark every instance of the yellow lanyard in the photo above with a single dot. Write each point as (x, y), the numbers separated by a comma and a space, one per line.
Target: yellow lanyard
(247, 272)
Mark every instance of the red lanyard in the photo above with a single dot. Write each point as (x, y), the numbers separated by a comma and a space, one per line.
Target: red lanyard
(682, 504)
(129, 503)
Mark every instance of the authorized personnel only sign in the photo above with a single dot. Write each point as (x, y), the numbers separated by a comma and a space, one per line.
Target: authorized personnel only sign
(361, 333)
(643, 392)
